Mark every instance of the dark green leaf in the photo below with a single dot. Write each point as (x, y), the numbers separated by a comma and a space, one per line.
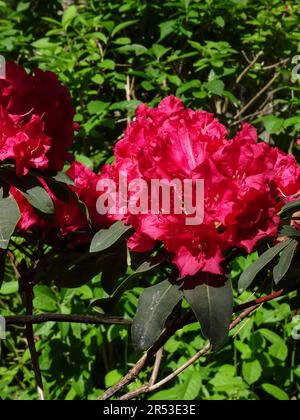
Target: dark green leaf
(213, 308)
(60, 190)
(285, 261)
(9, 218)
(145, 267)
(40, 199)
(105, 239)
(64, 178)
(82, 272)
(250, 274)
(289, 231)
(155, 306)
(113, 272)
(32, 189)
(72, 269)
(291, 281)
(290, 208)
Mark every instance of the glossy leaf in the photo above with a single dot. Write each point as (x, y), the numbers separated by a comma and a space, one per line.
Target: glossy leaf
(155, 306)
(290, 208)
(250, 274)
(213, 308)
(105, 239)
(9, 218)
(39, 198)
(64, 178)
(285, 261)
(289, 231)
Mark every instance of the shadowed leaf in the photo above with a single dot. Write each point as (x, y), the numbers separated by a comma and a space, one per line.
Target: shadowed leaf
(155, 306)
(213, 308)
(105, 239)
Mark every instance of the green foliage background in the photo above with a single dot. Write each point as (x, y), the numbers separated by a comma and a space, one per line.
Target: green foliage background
(113, 55)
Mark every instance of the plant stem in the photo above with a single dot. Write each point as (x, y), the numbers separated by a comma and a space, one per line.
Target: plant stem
(150, 388)
(186, 319)
(31, 343)
(76, 319)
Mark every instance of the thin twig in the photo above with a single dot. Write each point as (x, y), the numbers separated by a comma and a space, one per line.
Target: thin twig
(144, 360)
(35, 361)
(77, 319)
(186, 319)
(264, 89)
(127, 379)
(246, 57)
(31, 343)
(258, 113)
(258, 301)
(128, 95)
(155, 372)
(177, 324)
(110, 320)
(150, 388)
(275, 65)
(243, 315)
(251, 64)
(153, 379)
(100, 49)
(14, 264)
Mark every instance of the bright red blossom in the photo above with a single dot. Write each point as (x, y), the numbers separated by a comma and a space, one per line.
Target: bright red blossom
(69, 216)
(27, 145)
(36, 120)
(246, 183)
(29, 217)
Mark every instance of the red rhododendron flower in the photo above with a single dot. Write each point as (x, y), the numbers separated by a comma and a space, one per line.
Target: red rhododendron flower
(29, 216)
(69, 215)
(36, 120)
(246, 183)
(86, 189)
(27, 145)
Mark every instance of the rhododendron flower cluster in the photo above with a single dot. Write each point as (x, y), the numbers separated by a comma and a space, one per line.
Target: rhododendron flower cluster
(36, 120)
(246, 183)
(69, 215)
